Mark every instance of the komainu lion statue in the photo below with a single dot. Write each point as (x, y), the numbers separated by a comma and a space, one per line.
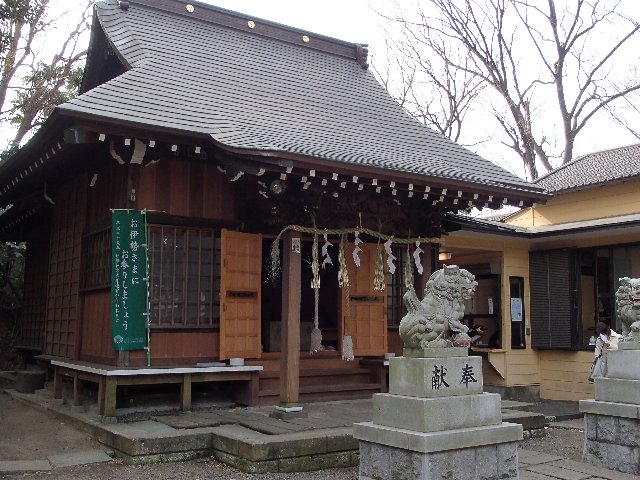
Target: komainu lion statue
(628, 307)
(436, 320)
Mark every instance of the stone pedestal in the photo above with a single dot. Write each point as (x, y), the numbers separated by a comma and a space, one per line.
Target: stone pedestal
(612, 419)
(436, 422)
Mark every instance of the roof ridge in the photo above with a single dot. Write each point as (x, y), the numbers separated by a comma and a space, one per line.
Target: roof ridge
(257, 26)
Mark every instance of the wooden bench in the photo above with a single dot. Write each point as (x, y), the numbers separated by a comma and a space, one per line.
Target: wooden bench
(110, 378)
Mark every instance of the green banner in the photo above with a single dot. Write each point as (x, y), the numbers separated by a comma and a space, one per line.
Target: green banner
(128, 280)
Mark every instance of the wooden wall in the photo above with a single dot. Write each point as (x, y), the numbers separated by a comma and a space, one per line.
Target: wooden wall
(108, 192)
(96, 328)
(188, 189)
(35, 285)
(167, 347)
(599, 202)
(564, 375)
(63, 300)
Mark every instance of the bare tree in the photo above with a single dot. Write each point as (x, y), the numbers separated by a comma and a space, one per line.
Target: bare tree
(428, 87)
(30, 87)
(553, 70)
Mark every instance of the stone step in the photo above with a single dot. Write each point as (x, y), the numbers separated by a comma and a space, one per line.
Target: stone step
(528, 420)
(514, 405)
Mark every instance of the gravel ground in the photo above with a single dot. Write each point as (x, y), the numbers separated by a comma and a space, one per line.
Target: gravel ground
(559, 441)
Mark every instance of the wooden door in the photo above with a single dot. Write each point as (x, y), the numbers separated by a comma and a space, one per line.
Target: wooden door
(365, 316)
(240, 299)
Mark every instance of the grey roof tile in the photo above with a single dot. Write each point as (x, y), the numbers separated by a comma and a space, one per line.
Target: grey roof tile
(593, 169)
(253, 92)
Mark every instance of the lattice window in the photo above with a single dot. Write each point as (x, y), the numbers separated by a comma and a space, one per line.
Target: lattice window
(96, 272)
(184, 266)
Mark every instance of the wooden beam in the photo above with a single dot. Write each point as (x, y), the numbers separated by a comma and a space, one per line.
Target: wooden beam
(290, 330)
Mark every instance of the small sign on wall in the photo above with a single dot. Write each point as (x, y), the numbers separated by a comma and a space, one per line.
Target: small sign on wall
(516, 309)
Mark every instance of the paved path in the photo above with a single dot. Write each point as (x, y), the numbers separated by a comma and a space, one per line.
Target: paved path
(533, 465)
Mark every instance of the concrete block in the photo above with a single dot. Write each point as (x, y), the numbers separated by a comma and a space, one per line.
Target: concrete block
(427, 442)
(436, 414)
(79, 458)
(617, 390)
(623, 364)
(596, 407)
(406, 465)
(507, 460)
(628, 432)
(27, 381)
(479, 463)
(606, 429)
(623, 458)
(595, 453)
(486, 459)
(375, 461)
(435, 377)
(590, 426)
(22, 466)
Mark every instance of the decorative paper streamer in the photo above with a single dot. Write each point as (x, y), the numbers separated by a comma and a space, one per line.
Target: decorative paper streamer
(357, 249)
(275, 268)
(326, 259)
(390, 256)
(416, 257)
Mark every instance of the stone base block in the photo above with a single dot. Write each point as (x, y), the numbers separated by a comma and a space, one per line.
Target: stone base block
(436, 414)
(435, 377)
(435, 352)
(617, 390)
(613, 409)
(381, 462)
(429, 442)
(623, 364)
(612, 442)
(629, 345)
(27, 381)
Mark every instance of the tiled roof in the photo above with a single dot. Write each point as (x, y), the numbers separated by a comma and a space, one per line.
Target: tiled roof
(594, 169)
(258, 93)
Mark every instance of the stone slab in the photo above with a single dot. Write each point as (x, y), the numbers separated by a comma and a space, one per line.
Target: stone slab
(79, 458)
(625, 410)
(435, 352)
(436, 414)
(629, 346)
(623, 364)
(617, 390)
(435, 377)
(426, 442)
(20, 466)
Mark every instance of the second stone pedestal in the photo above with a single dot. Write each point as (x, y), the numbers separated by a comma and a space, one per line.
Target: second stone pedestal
(436, 422)
(612, 419)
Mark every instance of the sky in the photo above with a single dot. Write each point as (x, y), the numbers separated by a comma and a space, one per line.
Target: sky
(356, 21)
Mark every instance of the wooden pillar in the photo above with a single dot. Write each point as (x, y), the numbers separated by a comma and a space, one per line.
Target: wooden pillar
(290, 328)
(185, 393)
(110, 392)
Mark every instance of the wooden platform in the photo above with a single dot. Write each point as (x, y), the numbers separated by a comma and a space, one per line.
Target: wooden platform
(108, 378)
